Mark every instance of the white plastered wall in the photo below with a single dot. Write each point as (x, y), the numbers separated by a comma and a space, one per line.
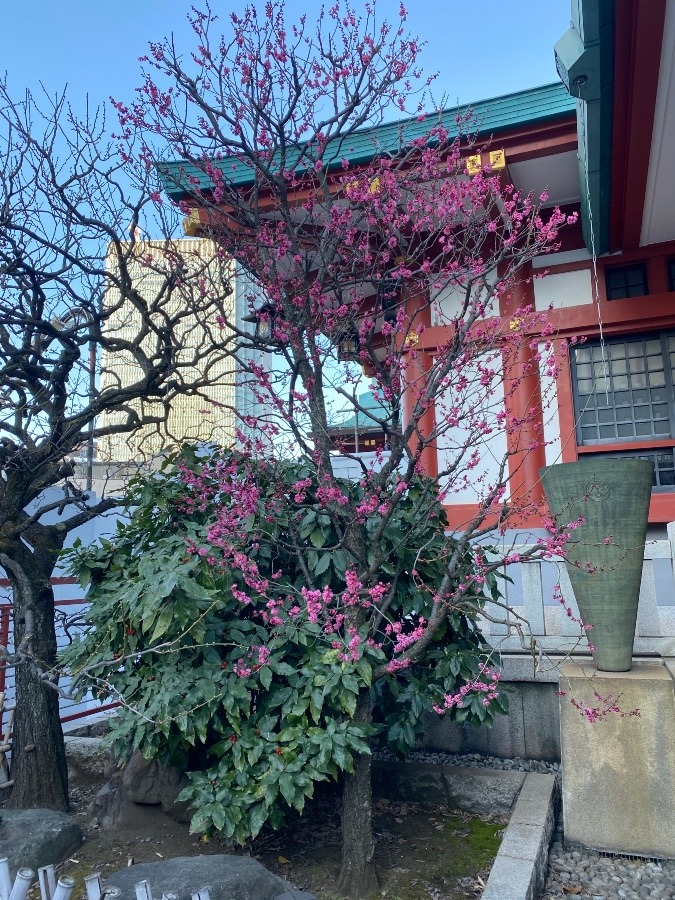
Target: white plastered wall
(563, 289)
(492, 448)
(551, 416)
(448, 303)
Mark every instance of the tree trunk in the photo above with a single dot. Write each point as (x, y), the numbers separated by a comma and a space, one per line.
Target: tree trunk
(38, 767)
(358, 878)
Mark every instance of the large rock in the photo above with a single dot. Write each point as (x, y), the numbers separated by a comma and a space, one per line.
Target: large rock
(224, 877)
(134, 794)
(87, 760)
(296, 895)
(95, 727)
(146, 781)
(31, 838)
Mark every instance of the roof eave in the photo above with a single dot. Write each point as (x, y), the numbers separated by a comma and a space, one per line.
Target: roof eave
(585, 60)
(499, 114)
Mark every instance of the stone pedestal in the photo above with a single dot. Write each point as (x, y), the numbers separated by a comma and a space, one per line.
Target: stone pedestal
(619, 772)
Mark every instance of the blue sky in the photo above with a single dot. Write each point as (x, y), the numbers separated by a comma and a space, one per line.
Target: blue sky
(482, 49)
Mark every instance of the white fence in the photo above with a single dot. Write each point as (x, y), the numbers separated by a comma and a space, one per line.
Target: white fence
(531, 597)
(51, 889)
(69, 604)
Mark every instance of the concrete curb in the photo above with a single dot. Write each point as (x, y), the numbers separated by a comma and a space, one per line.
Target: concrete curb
(519, 871)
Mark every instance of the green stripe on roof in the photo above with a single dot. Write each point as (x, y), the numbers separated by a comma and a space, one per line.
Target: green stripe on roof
(595, 116)
(492, 116)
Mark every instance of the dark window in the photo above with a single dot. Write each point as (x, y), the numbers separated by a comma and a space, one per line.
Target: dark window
(623, 392)
(626, 281)
(662, 460)
(671, 274)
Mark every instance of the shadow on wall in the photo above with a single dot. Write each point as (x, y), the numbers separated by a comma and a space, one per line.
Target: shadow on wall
(531, 730)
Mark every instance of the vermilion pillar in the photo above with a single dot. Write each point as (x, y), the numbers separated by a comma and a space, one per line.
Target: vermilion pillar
(418, 364)
(525, 434)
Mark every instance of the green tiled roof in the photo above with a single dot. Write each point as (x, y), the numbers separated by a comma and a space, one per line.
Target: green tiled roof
(361, 419)
(492, 116)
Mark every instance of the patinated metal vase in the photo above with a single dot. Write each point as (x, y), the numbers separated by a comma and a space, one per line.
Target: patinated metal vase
(604, 555)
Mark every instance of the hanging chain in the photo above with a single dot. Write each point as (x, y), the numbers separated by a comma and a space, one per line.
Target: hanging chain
(595, 288)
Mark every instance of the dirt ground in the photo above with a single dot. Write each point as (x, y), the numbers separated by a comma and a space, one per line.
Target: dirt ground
(423, 853)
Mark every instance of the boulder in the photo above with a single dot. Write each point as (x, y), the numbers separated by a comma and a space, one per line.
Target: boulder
(296, 895)
(134, 794)
(111, 808)
(148, 782)
(87, 760)
(97, 727)
(31, 838)
(225, 877)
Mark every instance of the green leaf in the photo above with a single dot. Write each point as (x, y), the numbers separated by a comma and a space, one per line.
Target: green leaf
(318, 538)
(231, 816)
(322, 564)
(257, 818)
(339, 562)
(365, 670)
(281, 668)
(287, 788)
(163, 621)
(342, 758)
(350, 683)
(316, 705)
(348, 702)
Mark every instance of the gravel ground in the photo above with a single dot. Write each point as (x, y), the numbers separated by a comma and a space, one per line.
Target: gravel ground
(588, 876)
(475, 761)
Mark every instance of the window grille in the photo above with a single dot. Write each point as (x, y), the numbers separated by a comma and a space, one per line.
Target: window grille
(625, 394)
(626, 281)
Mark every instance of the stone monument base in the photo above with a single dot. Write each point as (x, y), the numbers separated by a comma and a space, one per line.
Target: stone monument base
(619, 772)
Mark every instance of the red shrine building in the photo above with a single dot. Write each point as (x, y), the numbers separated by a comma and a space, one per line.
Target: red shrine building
(613, 280)
(601, 143)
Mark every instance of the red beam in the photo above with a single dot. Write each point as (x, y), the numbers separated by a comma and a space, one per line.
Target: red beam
(637, 56)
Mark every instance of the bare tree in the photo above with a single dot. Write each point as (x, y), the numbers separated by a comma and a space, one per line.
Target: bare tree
(72, 206)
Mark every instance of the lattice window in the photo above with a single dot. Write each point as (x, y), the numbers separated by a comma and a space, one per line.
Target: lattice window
(626, 281)
(625, 394)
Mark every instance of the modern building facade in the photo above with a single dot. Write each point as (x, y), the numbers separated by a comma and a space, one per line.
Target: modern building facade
(206, 414)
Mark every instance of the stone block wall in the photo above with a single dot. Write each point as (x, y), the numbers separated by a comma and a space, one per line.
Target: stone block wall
(531, 730)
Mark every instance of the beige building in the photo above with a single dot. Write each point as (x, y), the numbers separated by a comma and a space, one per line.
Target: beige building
(206, 411)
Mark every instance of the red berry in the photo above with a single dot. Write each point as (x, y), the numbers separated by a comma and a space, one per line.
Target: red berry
(233, 739)
(278, 751)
